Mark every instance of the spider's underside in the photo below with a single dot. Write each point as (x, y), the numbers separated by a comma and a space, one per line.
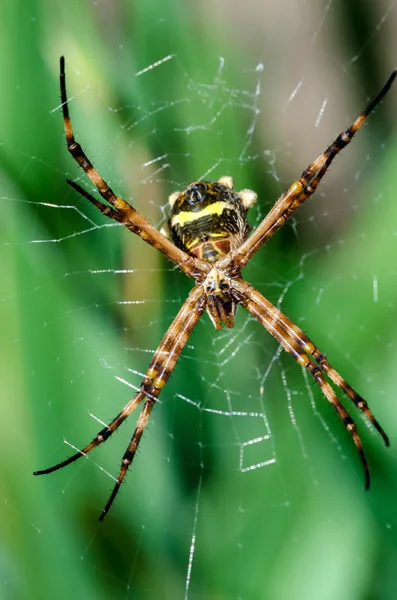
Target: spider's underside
(208, 240)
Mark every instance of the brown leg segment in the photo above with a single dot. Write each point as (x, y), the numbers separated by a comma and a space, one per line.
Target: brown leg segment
(158, 373)
(192, 266)
(130, 452)
(300, 190)
(100, 437)
(291, 346)
(307, 346)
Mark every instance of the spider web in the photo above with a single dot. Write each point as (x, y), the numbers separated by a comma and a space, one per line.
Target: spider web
(245, 484)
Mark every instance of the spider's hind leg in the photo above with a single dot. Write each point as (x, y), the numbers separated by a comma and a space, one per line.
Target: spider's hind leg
(130, 217)
(106, 210)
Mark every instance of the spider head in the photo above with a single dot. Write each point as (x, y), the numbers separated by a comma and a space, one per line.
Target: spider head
(221, 308)
(208, 218)
(217, 284)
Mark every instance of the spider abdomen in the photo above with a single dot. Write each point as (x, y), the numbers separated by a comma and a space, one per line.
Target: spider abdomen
(208, 219)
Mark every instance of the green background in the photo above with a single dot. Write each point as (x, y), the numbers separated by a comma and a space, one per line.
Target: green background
(240, 93)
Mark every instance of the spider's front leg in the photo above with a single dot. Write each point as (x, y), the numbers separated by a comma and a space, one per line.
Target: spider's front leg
(294, 332)
(157, 375)
(300, 347)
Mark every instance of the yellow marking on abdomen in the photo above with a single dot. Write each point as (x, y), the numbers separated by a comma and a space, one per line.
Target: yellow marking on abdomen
(199, 240)
(184, 217)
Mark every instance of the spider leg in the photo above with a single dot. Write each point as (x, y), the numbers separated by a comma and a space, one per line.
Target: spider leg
(100, 437)
(157, 374)
(130, 452)
(291, 346)
(307, 346)
(105, 209)
(300, 190)
(192, 266)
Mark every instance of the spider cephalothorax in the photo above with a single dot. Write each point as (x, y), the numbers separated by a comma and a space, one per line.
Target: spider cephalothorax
(209, 243)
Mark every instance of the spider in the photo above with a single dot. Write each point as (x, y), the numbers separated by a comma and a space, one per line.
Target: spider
(208, 240)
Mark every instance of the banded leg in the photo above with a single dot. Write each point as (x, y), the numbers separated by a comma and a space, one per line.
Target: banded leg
(135, 222)
(292, 347)
(156, 376)
(105, 209)
(307, 346)
(100, 437)
(301, 189)
(130, 452)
